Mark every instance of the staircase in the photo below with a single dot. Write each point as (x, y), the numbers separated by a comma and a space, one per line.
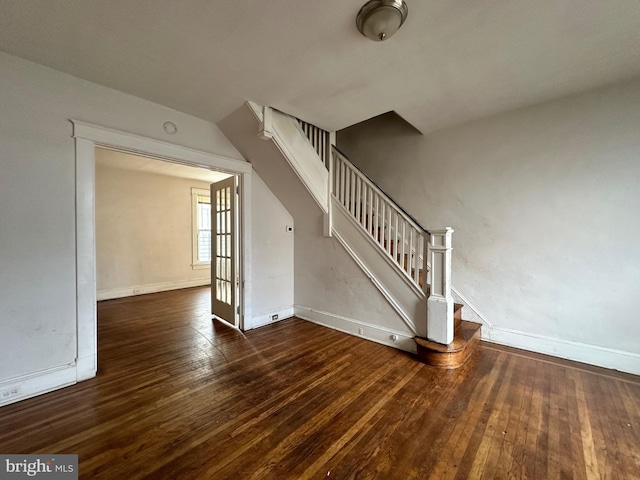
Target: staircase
(404, 241)
(409, 265)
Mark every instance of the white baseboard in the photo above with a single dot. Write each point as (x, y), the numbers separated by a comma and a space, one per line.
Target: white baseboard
(580, 352)
(150, 288)
(35, 384)
(86, 367)
(628, 362)
(375, 333)
(266, 318)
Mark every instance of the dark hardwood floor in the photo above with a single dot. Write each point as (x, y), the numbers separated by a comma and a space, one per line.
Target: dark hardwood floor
(179, 396)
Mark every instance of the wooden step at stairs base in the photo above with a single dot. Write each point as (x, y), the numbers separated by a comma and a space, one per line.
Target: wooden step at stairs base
(457, 316)
(454, 355)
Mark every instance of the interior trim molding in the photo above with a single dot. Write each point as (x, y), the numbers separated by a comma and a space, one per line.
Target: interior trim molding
(149, 147)
(623, 361)
(374, 333)
(37, 383)
(151, 288)
(265, 318)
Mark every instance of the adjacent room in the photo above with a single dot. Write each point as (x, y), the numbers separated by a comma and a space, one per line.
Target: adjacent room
(153, 225)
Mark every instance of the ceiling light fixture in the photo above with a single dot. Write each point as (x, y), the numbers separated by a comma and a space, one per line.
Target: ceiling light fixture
(379, 19)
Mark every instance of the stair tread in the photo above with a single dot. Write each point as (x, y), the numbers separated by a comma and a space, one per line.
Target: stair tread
(463, 336)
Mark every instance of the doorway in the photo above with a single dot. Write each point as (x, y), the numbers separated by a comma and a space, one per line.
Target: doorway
(87, 138)
(153, 229)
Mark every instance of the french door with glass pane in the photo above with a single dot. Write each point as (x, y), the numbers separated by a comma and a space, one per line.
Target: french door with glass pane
(224, 267)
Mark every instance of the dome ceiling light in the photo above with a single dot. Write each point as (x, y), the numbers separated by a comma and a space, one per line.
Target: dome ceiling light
(379, 19)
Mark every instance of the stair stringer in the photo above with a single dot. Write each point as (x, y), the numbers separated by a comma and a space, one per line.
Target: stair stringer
(298, 151)
(409, 302)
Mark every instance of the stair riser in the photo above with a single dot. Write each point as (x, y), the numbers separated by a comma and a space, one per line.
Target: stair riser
(449, 360)
(457, 352)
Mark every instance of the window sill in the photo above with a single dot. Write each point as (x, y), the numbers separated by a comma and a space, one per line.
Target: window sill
(200, 266)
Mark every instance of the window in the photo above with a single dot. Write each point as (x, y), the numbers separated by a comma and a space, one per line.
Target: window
(201, 232)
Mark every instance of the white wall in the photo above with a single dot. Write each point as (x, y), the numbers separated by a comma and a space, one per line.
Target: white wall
(144, 232)
(37, 204)
(273, 247)
(545, 203)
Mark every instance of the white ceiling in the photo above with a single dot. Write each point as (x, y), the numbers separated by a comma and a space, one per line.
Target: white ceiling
(125, 161)
(452, 61)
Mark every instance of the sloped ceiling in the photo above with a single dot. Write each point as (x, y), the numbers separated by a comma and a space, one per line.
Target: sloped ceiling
(453, 60)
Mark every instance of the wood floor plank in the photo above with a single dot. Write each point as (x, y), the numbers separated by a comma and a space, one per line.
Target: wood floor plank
(283, 446)
(554, 429)
(378, 436)
(319, 464)
(181, 396)
(588, 444)
(485, 432)
(543, 427)
(517, 454)
(293, 415)
(489, 439)
(459, 441)
(611, 445)
(576, 440)
(499, 466)
(628, 422)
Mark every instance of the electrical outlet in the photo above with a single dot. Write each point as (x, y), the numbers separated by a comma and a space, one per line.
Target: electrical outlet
(274, 317)
(12, 392)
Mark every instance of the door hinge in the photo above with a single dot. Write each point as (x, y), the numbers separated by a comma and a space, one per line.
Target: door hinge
(238, 309)
(238, 189)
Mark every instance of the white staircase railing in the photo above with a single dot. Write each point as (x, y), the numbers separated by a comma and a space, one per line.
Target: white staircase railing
(423, 256)
(402, 239)
(319, 138)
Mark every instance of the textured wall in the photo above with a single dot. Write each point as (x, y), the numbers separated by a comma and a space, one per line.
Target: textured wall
(544, 201)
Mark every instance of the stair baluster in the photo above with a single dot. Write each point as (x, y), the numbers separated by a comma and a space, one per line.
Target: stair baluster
(319, 138)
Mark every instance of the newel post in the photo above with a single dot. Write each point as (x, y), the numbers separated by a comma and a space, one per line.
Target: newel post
(440, 323)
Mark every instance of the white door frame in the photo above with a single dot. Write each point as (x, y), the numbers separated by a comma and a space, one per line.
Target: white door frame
(87, 138)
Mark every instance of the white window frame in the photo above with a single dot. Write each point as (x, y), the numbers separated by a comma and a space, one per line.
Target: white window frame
(197, 193)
